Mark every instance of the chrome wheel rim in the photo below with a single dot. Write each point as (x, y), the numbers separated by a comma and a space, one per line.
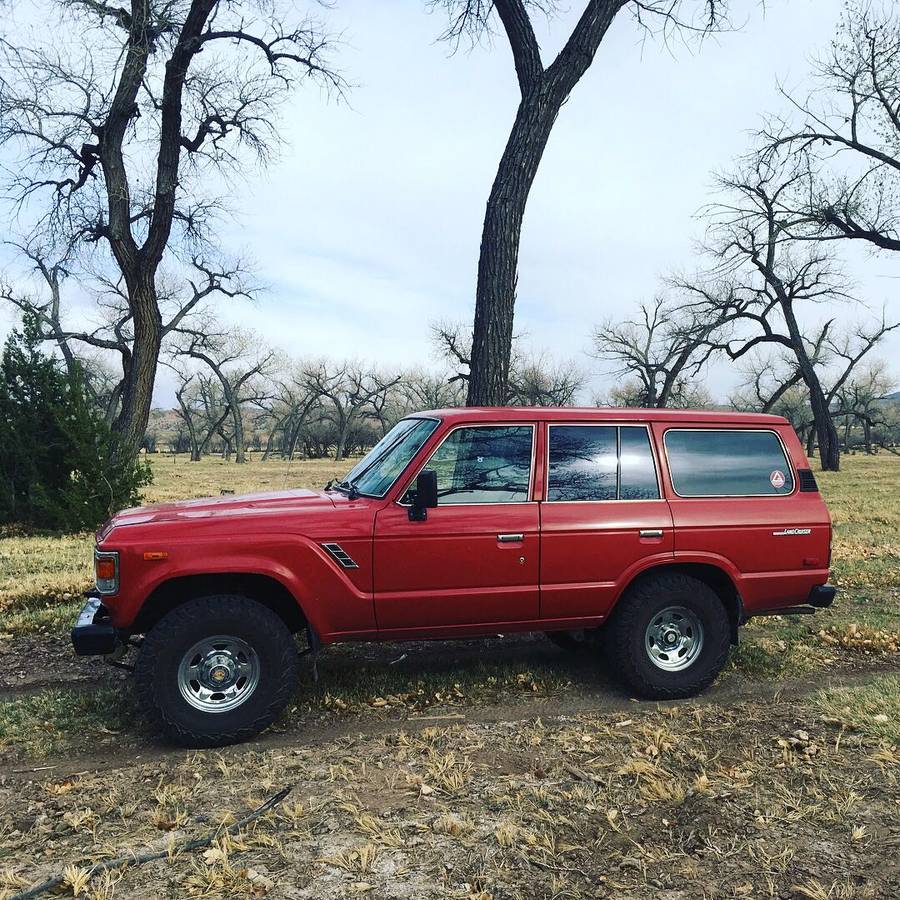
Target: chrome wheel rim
(674, 638)
(218, 673)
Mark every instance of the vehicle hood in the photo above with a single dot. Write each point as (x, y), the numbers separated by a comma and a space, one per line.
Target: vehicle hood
(228, 506)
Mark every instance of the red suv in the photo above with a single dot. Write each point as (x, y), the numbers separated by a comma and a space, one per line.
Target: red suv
(652, 533)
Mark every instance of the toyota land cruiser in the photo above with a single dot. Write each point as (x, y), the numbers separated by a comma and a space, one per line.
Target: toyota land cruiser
(652, 535)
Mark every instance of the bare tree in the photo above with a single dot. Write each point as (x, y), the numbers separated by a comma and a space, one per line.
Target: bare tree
(288, 408)
(426, 390)
(178, 304)
(630, 392)
(349, 392)
(762, 277)
(536, 380)
(116, 126)
(237, 360)
(768, 378)
(665, 345)
(543, 91)
(861, 399)
(201, 406)
(849, 134)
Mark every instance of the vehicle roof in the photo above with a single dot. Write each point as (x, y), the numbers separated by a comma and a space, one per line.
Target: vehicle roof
(600, 413)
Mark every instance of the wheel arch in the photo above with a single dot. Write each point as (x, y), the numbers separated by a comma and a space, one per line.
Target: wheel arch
(715, 577)
(264, 589)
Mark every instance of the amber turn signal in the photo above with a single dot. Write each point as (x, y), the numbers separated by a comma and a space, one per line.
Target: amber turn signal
(156, 554)
(105, 568)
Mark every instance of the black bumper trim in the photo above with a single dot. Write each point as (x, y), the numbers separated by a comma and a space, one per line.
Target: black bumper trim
(822, 596)
(93, 634)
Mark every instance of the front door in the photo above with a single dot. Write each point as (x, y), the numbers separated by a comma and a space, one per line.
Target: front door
(475, 559)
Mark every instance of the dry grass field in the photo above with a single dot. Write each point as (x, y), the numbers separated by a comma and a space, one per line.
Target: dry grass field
(472, 769)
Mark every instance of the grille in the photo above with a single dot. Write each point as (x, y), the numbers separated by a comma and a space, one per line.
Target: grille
(343, 558)
(807, 480)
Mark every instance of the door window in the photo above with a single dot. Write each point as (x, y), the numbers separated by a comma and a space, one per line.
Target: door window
(484, 465)
(600, 462)
(733, 463)
(637, 469)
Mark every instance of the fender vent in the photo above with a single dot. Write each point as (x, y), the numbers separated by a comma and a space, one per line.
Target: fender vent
(344, 559)
(807, 481)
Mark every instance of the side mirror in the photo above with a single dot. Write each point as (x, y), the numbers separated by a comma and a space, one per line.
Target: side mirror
(425, 495)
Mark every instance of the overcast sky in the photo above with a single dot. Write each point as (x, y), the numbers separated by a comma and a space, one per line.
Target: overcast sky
(367, 228)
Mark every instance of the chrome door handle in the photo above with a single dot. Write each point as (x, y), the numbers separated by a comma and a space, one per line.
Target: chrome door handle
(651, 532)
(510, 538)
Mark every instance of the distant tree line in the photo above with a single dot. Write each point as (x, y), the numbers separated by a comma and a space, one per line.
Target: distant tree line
(234, 395)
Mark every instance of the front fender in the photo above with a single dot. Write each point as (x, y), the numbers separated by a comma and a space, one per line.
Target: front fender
(332, 599)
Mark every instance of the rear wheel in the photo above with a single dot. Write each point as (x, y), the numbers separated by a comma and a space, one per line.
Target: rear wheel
(668, 637)
(216, 670)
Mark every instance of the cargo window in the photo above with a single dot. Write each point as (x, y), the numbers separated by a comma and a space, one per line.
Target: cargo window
(732, 463)
(484, 465)
(600, 462)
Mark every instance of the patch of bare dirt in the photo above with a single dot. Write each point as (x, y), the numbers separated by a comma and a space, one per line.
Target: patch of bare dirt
(32, 662)
(750, 799)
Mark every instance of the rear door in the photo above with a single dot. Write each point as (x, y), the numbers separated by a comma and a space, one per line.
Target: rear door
(735, 494)
(602, 516)
(474, 560)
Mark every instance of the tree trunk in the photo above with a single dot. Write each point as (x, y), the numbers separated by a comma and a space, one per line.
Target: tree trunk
(823, 422)
(140, 373)
(543, 92)
(826, 433)
(495, 295)
(341, 448)
(239, 449)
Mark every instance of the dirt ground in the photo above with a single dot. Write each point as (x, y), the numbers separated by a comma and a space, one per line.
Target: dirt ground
(563, 789)
(677, 802)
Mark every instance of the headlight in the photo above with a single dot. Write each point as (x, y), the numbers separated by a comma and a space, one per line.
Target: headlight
(106, 571)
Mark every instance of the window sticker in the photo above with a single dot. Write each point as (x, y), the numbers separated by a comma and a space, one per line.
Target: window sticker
(777, 479)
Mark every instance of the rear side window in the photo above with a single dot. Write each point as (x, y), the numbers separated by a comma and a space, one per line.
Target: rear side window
(600, 462)
(727, 463)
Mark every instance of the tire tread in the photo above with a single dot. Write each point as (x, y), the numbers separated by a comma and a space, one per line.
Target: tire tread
(208, 608)
(627, 619)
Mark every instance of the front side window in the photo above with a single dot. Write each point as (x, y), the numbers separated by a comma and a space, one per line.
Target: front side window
(484, 465)
(734, 463)
(374, 474)
(600, 462)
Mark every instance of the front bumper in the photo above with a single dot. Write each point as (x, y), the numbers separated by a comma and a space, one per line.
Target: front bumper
(93, 633)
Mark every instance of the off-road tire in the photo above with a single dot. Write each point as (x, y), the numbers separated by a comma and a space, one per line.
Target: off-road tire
(624, 635)
(156, 670)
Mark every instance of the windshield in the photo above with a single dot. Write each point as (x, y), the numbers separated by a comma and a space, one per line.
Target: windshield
(374, 474)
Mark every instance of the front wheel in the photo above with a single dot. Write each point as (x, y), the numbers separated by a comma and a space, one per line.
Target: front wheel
(216, 670)
(668, 637)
